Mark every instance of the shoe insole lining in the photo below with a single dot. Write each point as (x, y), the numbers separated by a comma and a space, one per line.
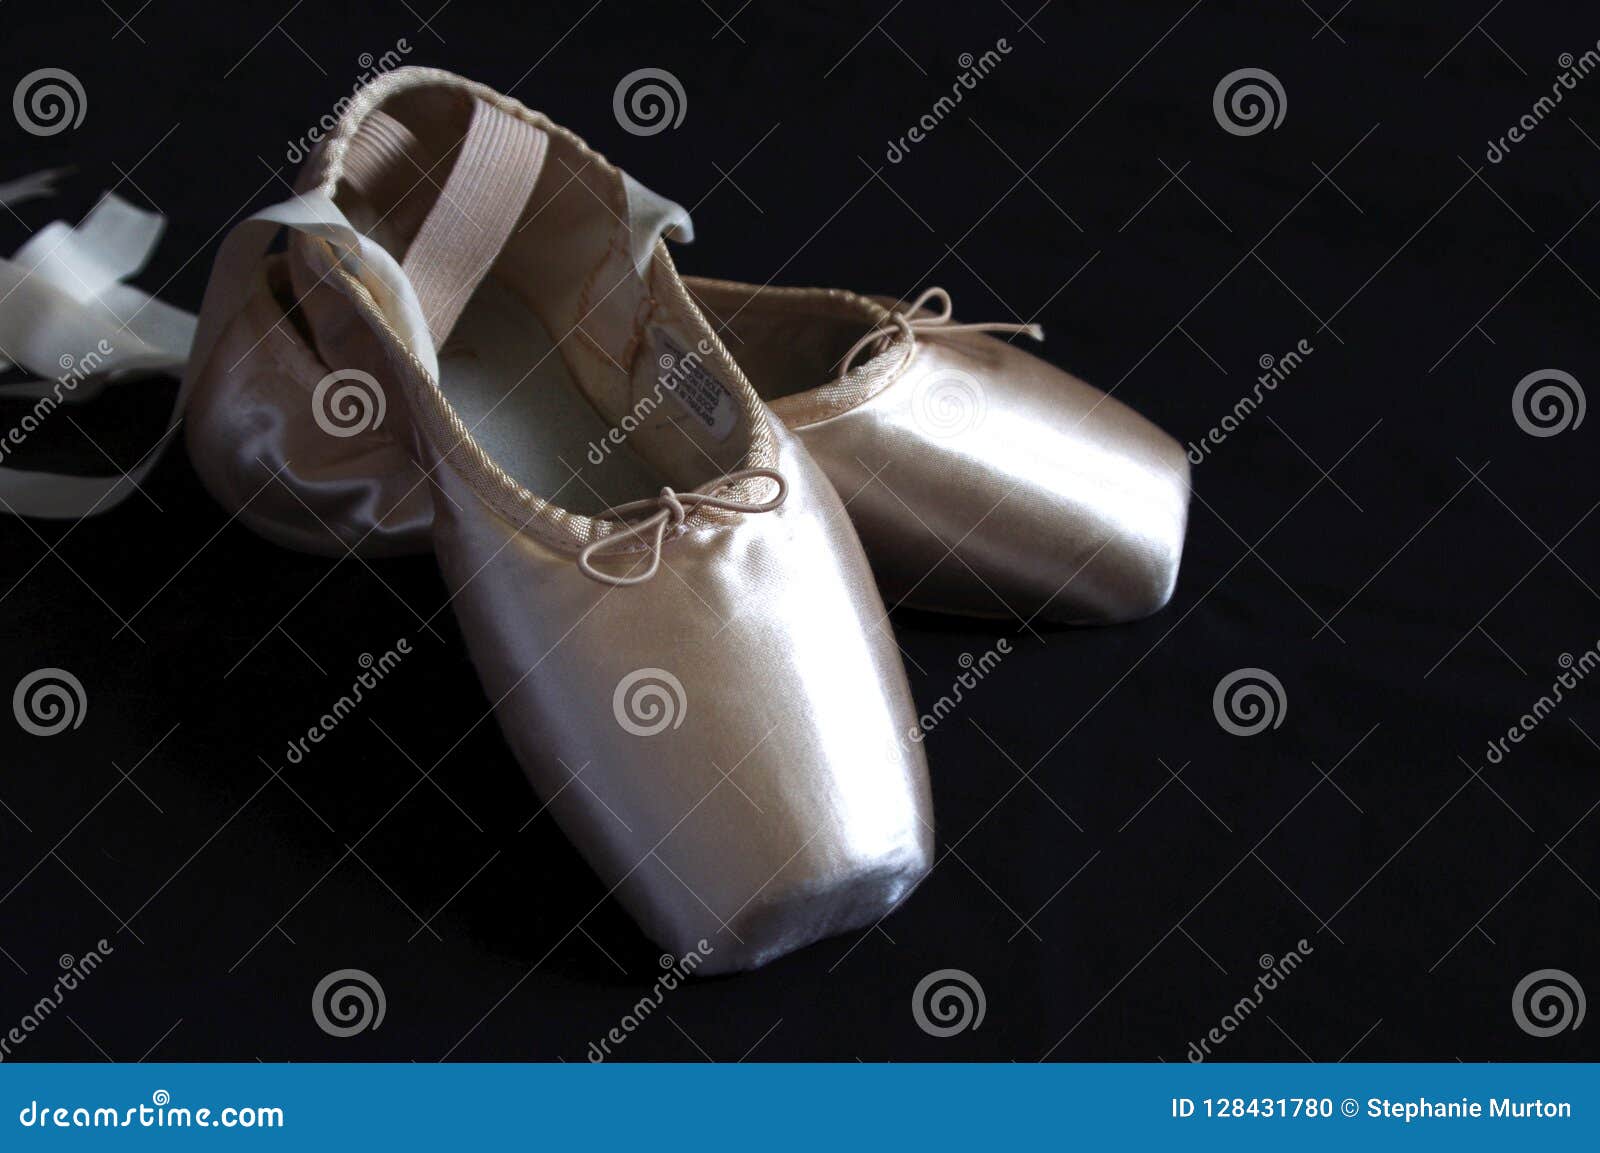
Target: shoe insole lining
(511, 386)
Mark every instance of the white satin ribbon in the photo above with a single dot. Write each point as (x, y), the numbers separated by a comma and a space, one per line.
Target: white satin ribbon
(66, 317)
(31, 187)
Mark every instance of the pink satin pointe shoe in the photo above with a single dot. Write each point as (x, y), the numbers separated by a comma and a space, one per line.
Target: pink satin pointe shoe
(668, 607)
(982, 479)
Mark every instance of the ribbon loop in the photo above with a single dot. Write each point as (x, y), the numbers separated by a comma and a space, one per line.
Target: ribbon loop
(909, 322)
(668, 510)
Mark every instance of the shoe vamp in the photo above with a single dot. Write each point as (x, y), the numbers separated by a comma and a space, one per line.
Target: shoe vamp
(728, 736)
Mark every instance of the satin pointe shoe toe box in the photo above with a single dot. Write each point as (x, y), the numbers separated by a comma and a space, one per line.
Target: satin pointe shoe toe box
(727, 741)
(985, 480)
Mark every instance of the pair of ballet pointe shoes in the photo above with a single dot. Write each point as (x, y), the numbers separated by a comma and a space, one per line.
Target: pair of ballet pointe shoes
(668, 510)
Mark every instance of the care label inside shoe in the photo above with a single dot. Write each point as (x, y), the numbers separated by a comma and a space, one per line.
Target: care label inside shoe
(684, 375)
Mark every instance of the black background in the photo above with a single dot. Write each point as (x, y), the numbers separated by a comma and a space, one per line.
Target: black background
(1108, 910)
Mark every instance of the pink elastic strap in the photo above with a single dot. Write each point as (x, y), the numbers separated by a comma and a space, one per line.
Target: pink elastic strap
(474, 215)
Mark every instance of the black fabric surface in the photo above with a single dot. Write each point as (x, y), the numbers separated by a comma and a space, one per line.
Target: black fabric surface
(1380, 534)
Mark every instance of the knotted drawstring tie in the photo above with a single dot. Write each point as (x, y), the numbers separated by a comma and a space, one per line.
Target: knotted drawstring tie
(668, 510)
(909, 324)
